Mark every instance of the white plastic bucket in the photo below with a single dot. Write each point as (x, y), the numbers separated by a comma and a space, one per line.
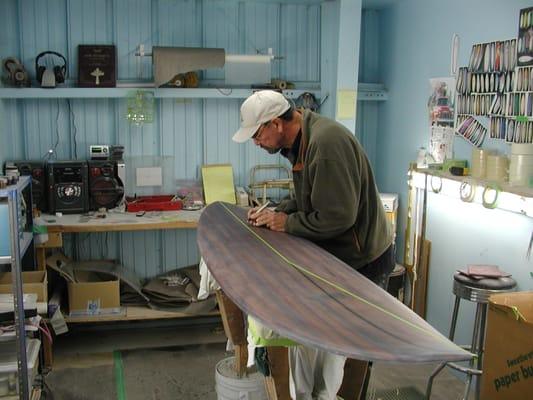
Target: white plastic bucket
(230, 387)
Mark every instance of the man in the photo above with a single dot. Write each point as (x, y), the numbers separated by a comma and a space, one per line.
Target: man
(336, 205)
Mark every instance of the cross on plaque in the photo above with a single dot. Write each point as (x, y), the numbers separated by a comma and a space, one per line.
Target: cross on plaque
(97, 73)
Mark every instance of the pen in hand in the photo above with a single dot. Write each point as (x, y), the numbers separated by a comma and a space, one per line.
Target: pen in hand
(263, 207)
(260, 209)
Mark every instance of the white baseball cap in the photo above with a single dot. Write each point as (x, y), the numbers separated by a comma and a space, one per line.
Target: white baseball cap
(260, 107)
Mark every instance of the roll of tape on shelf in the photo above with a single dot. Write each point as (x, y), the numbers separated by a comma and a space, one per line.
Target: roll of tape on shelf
(436, 187)
(479, 162)
(497, 167)
(467, 190)
(279, 84)
(494, 202)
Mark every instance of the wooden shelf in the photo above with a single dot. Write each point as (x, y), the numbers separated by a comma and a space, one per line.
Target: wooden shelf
(136, 314)
(505, 187)
(122, 221)
(123, 92)
(366, 92)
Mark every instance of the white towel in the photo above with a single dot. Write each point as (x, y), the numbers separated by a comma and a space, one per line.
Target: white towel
(208, 284)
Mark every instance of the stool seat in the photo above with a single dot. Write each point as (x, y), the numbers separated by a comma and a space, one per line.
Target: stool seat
(501, 283)
(479, 290)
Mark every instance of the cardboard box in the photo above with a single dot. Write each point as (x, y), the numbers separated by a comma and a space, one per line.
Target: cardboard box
(94, 298)
(32, 282)
(508, 363)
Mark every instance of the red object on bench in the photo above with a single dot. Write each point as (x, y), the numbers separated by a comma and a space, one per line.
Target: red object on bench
(153, 203)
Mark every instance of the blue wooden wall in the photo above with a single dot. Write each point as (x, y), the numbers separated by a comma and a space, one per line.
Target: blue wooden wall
(188, 132)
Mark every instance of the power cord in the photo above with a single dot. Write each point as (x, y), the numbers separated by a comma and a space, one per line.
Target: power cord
(323, 100)
(53, 150)
(71, 113)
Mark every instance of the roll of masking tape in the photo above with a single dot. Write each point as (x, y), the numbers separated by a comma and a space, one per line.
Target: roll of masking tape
(436, 183)
(487, 203)
(467, 190)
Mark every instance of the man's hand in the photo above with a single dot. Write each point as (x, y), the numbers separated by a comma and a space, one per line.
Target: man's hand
(251, 212)
(274, 221)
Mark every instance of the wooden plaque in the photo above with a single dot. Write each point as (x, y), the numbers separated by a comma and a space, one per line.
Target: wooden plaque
(97, 66)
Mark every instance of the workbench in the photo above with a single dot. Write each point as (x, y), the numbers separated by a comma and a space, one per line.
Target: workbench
(122, 221)
(116, 222)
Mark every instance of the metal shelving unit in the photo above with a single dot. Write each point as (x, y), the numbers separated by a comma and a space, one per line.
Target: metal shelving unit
(19, 242)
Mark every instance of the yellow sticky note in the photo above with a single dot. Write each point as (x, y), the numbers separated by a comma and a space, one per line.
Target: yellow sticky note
(218, 183)
(346, 103)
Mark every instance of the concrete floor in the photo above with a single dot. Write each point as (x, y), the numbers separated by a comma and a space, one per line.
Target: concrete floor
(178, 363)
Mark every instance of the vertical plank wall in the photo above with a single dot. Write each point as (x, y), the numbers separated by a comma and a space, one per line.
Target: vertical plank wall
(367, 123)
(186, 133)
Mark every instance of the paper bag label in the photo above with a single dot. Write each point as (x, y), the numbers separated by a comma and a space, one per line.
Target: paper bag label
(522, 369)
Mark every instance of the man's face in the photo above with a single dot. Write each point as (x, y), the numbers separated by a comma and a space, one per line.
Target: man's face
(268, 137)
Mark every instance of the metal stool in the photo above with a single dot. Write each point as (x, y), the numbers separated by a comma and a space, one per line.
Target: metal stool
(477, 291)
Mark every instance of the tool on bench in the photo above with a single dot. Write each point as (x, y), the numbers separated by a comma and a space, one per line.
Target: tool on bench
(153, 203)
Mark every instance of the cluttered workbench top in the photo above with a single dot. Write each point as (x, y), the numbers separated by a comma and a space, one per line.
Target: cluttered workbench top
(122, 221)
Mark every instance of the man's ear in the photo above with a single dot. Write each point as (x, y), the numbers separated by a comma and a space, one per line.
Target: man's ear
(278, 124)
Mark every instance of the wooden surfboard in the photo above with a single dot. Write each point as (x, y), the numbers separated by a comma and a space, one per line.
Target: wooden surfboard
(306, 294)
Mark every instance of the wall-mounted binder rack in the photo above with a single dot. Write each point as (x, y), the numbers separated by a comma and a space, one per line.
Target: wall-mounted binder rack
(494, 86)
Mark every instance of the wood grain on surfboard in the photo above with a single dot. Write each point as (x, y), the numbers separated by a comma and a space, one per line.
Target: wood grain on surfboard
(306, 294)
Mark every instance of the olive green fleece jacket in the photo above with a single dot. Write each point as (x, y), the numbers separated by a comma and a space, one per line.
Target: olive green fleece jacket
(337, 204)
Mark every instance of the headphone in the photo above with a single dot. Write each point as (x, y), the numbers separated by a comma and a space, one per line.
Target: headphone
(307, 100)
(16, 73)
(60, 71)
